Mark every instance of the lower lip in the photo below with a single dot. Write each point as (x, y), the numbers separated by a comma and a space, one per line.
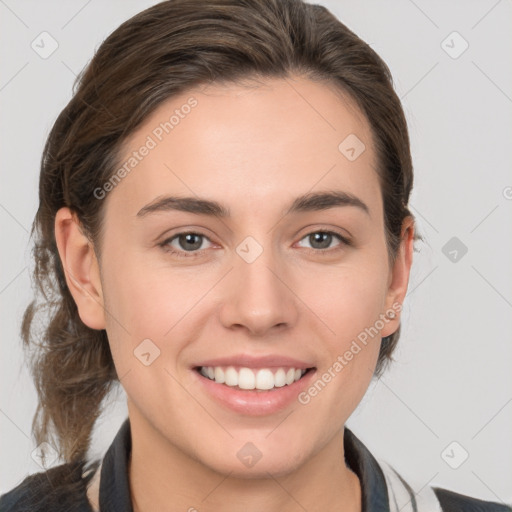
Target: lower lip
(252, 402)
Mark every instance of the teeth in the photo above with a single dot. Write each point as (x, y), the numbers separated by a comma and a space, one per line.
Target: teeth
(248, 378)
(218, 375)
(280, 378)
(264, 379)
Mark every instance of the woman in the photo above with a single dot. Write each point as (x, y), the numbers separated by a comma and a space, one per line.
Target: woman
(223, 229)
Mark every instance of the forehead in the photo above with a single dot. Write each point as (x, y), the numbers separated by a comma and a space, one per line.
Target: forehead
(260, 142)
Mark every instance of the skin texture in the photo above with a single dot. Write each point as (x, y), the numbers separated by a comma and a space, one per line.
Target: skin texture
(254, 149)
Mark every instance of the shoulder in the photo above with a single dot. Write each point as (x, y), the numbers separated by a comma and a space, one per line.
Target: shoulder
(61, 488)
(454, 502)
(432, 498)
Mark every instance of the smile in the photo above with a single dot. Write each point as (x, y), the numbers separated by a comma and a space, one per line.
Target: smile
(260, 379)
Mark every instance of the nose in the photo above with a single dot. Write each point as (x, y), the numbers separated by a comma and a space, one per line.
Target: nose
(258, 297)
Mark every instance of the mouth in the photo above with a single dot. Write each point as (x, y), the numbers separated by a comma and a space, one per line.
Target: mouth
(253, 379)
(254, 385)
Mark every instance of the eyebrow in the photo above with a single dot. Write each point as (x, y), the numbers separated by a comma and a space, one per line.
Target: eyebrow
(313, 201)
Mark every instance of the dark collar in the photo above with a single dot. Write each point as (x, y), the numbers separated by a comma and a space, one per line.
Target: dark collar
(115, 489)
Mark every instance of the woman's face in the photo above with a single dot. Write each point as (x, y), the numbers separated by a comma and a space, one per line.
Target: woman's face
(255, 284)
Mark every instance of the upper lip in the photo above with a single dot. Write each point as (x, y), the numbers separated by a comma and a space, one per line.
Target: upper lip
(247, 361)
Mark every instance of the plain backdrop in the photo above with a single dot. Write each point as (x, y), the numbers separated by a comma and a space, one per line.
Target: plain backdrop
(449, 394)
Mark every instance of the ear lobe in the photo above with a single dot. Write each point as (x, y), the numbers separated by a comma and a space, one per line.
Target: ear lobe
(399, 279)
(81, 268)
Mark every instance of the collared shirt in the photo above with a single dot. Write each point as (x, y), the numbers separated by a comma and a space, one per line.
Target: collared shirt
(64, 488)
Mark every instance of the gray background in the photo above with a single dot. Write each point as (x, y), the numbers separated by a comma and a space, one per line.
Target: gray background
(452, 379)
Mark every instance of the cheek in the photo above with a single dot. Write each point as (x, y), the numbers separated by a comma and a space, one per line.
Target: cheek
(140, 296)
(136, 309)
(348, 299)
(150, 301)
(348, 305)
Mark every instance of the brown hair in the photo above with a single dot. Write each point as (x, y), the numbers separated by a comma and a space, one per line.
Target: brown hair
(159, 53)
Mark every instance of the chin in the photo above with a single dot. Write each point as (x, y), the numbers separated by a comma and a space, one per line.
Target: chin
(248, 462)
(259, 471)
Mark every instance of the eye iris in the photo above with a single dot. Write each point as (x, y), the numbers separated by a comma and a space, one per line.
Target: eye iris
(323, 238)
(189, 239)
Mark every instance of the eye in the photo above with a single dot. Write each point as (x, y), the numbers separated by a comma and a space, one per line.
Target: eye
(183, 243)
(191, 244)
(322, 240)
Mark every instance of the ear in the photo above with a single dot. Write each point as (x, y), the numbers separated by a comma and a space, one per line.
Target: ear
(399, 277)
(81, 268)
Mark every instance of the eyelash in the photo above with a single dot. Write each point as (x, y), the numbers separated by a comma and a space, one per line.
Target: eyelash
(165, 245)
